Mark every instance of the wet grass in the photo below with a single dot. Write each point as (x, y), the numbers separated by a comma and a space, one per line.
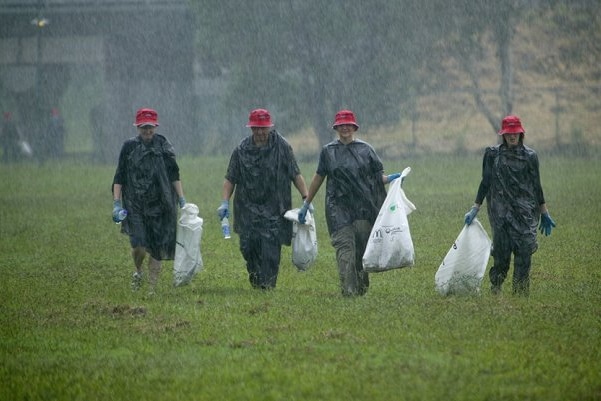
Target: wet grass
(71, 329)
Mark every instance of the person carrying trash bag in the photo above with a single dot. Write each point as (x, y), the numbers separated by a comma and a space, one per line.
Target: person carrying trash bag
(354, 194)
(147, 190)
(259, 174)
(515, 202)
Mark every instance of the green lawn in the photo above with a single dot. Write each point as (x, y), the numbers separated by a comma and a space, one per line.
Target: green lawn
(71, 329)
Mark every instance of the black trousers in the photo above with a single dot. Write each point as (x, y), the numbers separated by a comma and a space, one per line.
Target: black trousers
(261, 251)
(504, 245)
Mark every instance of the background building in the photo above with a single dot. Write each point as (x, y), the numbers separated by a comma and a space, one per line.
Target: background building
(118, 55)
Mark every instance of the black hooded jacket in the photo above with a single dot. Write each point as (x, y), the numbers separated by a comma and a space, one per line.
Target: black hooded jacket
(262, 177)
(512, 188)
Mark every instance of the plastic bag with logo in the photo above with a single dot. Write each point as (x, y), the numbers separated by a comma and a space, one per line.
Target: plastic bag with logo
(390, 245)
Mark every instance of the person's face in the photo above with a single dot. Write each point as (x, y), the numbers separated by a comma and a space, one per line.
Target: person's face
(146, 132)
(260, 135)
(512, 139)
(346, 132)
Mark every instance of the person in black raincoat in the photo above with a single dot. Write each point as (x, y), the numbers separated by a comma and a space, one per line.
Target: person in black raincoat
(259, 174)
(515, 201)
(354, 195)
(147, 185)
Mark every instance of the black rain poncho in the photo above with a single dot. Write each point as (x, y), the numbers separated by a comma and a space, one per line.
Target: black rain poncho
(513, 191)
(146, 173)
(262, 177)
(354, 189)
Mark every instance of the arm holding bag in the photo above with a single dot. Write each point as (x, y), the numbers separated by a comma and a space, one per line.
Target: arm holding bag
(463, 267)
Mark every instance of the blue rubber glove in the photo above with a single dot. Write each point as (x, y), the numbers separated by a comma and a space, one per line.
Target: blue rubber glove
(392, 177)
(181, 201)
(471, 215)
(223, 210)
(302, 213)
(311, 208)
(546, 224)
(117, 210)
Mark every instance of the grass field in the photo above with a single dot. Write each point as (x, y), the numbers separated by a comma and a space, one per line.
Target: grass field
(71, 329)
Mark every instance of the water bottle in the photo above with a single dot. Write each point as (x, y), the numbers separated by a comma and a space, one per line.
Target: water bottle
(225, 228)
(121, 216)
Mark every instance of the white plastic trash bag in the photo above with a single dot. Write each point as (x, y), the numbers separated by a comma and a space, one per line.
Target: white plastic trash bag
(188, 260)
(25, 148)
(390, 245)
(304, 240)
(463, 268)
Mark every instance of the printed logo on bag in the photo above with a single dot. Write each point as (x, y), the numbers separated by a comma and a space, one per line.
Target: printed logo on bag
(377, 235)
(393, 230)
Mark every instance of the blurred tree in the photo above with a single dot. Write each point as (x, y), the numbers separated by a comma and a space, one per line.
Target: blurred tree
(305, 59)
(466, 27)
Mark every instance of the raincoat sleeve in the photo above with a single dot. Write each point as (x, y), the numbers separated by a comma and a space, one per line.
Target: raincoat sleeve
(232, 169)
(121, 172)
(172, 168)
(538, 188)
(322, 168)
(293, 164)
(169, 158)
(487, 165)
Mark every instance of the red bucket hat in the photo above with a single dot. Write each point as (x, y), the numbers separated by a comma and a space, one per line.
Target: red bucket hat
(146, 117)
(259, 118)
(344, 117)
(511, 125)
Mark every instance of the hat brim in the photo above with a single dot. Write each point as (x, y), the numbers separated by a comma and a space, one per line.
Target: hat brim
(512, 130)
(339, 123)
(259, 125)
(145, 123)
